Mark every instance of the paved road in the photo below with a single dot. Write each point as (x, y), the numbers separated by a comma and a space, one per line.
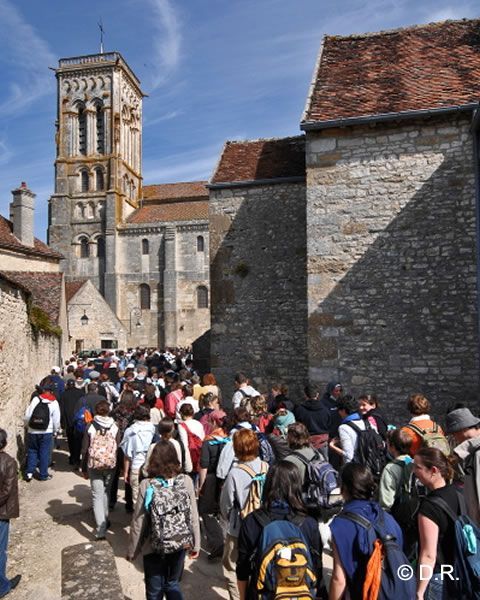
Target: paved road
(56, 514)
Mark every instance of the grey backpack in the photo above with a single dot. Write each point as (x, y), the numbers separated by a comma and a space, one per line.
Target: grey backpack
(170, 516)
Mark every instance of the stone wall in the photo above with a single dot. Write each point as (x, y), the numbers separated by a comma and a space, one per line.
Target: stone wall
(392, 298)
(24, 361)
(258, 282)
(17, 261)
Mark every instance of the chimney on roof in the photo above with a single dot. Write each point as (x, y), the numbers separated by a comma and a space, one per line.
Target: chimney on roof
(21, 214)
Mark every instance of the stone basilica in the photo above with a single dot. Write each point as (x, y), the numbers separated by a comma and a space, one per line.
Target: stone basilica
(145, 248)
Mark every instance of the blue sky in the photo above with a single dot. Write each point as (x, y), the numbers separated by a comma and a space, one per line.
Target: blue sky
(213, 70)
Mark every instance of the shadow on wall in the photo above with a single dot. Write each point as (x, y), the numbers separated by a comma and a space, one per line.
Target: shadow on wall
(403, 318)
(258, 283)
(201, 353)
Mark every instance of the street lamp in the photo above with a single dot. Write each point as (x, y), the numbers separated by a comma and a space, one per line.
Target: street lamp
(135, 313)
(84, 318)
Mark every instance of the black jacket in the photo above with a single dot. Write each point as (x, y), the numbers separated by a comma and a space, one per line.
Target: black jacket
(316, 418)
(9, 508)
(68, 403)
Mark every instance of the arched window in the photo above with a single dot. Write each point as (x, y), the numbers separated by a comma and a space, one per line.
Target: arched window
(202, 297)
(101, 247)
(90, 210)
(82, 130)
(84, 248)
(144, 296)
(100, 129)
(84, 181)
(200, 244)
(145, 247)
(78, 212)
(99, 181)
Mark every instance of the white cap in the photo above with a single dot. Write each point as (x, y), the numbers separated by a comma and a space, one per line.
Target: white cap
(56, 369)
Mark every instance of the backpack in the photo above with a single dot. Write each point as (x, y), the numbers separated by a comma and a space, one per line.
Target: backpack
(283, 562)
(265, 450)
(82, 418)
(170, 516)
(407, 501)
(102, 451)
(370, 449)
(40, 417)
(194, 447)
(382, 580)
(432, 438)
(466, 570)
(255, 490)
(321, 482)
(245, 401)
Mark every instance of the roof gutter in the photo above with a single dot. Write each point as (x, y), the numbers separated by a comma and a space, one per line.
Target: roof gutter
(252, 182)
(387, 117)
(475, 129)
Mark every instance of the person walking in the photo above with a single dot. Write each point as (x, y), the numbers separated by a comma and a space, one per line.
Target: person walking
(9, 509)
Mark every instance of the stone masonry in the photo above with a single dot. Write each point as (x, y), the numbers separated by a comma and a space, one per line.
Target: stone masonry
(257, 249)
(391, 259)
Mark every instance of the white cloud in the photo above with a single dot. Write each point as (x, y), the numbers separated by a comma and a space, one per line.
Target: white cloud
(5, 153)
(458, 11)
(167, 43)
(28, 55)
(173, 114)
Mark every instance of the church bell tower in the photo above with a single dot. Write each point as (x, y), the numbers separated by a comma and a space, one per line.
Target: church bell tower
(98, 166)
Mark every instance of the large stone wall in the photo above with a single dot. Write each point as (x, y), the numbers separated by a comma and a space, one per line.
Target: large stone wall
(258, 282)
(392, 298)
(24, 361)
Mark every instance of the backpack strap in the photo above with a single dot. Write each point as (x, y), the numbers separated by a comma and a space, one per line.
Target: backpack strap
(358, 519)
(440, 502)
(415, 429)
(355, 428)
(248, 469)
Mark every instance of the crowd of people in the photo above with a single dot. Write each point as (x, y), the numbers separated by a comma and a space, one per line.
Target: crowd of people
(273, 482)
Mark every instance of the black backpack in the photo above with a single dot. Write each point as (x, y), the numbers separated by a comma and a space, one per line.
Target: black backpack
(370, 449)
(40, 416)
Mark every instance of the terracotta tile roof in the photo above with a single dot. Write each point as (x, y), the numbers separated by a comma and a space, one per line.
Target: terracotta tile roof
(261, 159)
(175, 191)
(418, 68)
(10, 242)
(46, 289)
(72, 287)
(172, 211)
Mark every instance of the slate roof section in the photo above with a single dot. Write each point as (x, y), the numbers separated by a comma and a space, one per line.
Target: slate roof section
(45, 288)
(72, 287)
(183, 191)
(426, 67)
(261, 160)
(170, 212)
(10, 242)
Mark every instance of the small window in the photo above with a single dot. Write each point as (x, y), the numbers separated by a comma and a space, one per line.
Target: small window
(145, 296)
(82, 131)
(145, 248)
(84, 181)
(202, 297)
(84, 248)
(101, 247)
(99, 180)
(200, 244)
(100, 130)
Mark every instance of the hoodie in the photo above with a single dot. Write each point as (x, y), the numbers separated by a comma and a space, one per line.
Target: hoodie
(136, 442)
(91, 431)
(53, 407)
(316, 418)
(355, 544)
(469, 453)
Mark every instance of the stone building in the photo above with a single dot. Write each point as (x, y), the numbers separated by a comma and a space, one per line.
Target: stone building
(391, 151)
(144, 248)
(33, 316)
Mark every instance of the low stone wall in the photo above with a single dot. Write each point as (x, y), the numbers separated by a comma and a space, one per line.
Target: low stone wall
(24, 361)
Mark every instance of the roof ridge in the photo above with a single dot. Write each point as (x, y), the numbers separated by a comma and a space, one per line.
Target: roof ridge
(175, 183)
(273, 139)
(385, 32)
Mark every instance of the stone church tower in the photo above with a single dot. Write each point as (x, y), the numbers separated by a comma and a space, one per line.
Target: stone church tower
(98, 167)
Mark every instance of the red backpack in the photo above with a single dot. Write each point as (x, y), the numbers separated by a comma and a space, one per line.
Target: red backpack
(194, 447)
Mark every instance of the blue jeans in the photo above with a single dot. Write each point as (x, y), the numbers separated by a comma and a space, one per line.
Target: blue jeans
(435, 589)
(39, 448)
(162, 575)
(5, 585)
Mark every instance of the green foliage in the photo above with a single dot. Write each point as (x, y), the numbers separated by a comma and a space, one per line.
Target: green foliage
(40, 322)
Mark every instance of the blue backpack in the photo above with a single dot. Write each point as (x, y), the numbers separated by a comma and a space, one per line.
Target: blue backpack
(283, 562)
(82, 418)
(392, 586)
(466, 570)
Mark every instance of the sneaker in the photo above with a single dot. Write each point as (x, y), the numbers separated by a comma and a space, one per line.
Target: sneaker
(29, 477)
(47, 478)
(13, 584)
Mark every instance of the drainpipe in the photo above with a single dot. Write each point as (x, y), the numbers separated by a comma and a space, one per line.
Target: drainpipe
(476, 169)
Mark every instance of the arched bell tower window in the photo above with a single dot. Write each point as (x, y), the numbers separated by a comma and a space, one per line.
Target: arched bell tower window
(82, 130)
(202, 297)
(99, 180)
(84, 248)
(84, 181)
(200, 244)
(100, 122)
(101, 247)
(145, 247)
(144, 296)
